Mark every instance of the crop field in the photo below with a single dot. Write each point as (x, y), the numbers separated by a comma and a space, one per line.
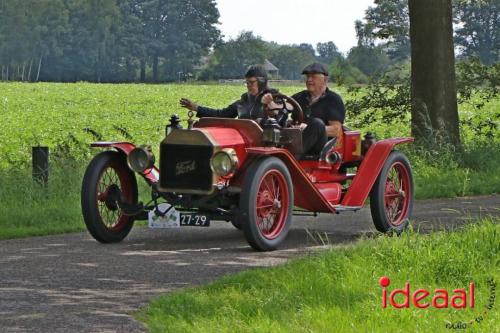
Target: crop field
(68, 117)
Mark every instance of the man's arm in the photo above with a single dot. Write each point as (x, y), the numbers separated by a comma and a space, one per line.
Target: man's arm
(230, 111)
(334, 128)
(336, 115)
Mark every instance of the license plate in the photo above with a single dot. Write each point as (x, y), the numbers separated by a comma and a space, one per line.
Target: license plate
(198, 220)
(164, 216)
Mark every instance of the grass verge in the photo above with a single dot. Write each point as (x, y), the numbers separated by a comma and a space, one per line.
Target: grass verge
(444, 173)
(339, 291)
(30, 209)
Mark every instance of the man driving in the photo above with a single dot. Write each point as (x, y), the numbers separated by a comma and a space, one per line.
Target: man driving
(324, 111)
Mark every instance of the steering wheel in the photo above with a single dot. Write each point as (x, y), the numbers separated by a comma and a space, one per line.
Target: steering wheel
(283, 111)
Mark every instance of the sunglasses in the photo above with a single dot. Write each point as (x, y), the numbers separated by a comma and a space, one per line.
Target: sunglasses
(250, 82)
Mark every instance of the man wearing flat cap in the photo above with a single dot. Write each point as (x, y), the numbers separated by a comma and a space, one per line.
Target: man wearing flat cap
(324, 111)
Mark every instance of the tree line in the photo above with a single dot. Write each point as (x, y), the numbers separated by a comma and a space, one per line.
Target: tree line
(104, 40)
(386, 26)
(160, 40)
(383, 46)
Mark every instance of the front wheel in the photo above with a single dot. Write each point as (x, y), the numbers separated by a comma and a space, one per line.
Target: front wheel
(391, 198)
(266, 204)
(108, 181)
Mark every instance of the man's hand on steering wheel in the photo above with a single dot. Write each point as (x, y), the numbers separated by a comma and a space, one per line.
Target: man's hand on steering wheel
(267, 99)
(302, 126)
(281, 105)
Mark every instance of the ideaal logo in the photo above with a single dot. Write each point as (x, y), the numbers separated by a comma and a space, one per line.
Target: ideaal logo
(439, 299)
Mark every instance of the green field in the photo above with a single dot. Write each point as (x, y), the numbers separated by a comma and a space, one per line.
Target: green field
(60, 115)
(339, 291)
(57, 115)
(68, 117)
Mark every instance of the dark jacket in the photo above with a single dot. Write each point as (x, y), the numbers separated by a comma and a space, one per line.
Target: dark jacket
(247, 107)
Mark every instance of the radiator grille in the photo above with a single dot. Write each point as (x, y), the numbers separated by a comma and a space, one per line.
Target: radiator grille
(186, 167)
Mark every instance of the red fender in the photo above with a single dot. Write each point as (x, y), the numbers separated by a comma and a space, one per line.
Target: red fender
(151, 175)
(306, 193)
(368, 172)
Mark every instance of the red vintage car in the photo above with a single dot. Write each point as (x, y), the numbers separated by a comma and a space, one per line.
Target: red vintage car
(254, 176)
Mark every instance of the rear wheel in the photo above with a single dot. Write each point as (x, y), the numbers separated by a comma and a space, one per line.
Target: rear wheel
(266, 204)
(391, 198)
(107, 181)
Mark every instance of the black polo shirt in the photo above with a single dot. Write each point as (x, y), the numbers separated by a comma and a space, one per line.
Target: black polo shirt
(329, 107)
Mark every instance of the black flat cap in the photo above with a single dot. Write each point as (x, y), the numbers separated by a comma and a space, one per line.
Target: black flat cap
(315, 68)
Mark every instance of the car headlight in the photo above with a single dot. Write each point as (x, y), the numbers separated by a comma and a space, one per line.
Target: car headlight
(141, 158)
(225, 162)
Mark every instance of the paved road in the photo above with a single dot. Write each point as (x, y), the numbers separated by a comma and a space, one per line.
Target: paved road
(70, 283)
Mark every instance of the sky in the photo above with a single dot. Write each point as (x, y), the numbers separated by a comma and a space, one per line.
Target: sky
(294, 21)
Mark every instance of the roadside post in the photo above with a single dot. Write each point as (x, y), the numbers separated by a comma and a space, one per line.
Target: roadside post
(40, 163)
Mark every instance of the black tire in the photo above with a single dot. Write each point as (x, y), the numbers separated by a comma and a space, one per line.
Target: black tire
(266, 223)
(391, 198)
(107, 173)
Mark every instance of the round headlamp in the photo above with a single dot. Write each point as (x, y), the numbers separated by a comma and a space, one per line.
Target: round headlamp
(224, 162)
(141, 158)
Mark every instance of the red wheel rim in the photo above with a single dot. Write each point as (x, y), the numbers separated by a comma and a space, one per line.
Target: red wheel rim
(111, 215)
(397, 194)
(272, 204)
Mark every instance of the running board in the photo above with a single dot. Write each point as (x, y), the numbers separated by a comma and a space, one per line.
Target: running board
(341, 208)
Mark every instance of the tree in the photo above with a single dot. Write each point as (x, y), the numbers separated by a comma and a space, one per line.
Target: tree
(343, 72)
(308, 48)
(179, 33)
(232, 58)
(327, 52)
(131, 40)
(290, 59)
(388, 24)
(104, 40)
(433, 92)
(51, 23)
(191, 34)
(155, 18)
(372, 61)
(478, 32)
(15, 27)
(89, 43)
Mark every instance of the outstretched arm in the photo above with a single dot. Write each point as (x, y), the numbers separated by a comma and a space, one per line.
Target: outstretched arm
(229, 112)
